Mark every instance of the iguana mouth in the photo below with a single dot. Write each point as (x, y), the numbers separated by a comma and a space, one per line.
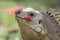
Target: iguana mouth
(19, 17)
(32, 25)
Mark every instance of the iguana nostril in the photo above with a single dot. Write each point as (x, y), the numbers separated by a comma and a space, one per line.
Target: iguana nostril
(18, 12)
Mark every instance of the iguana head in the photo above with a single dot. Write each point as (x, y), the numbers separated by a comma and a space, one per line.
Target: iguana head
(30, 17)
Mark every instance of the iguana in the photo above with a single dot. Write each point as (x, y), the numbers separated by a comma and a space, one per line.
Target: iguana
(35, 25)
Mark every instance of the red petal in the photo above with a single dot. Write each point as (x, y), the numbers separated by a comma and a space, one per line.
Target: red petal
(11, 11)
(18, 9)
(27, 19)
(14, 11)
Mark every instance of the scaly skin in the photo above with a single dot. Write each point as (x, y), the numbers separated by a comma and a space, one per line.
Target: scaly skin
(28, 33)
(55, 15)
(47, 27)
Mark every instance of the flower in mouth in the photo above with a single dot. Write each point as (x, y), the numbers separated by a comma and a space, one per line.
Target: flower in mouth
(27, 19)
(13, 11)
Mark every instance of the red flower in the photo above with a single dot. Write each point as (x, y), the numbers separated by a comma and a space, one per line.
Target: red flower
(27, 19)
(13, 11)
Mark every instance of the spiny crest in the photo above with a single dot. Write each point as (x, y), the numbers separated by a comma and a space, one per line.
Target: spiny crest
(55, 15)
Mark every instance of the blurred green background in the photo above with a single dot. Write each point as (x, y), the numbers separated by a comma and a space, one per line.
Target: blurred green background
(8, 22)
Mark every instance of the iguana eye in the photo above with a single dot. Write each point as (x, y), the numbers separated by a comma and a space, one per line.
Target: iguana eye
(31, 14)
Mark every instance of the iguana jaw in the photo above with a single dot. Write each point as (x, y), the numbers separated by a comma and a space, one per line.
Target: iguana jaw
(34, 26)
(19, 17)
